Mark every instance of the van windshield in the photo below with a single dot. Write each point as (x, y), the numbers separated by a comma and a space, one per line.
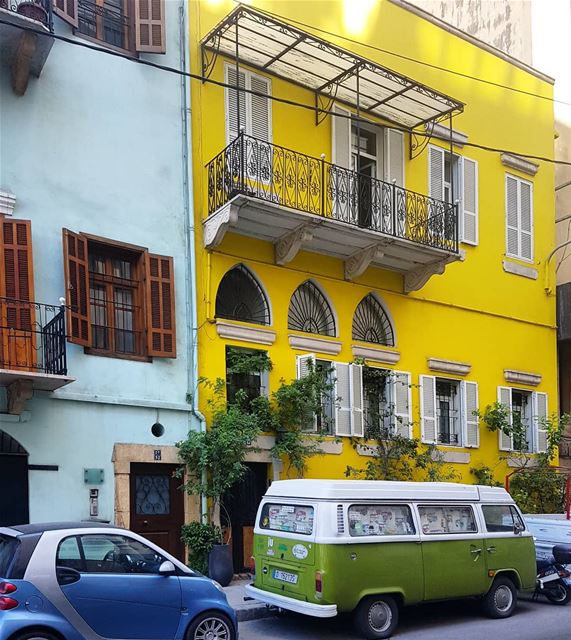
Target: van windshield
(291, 518)
(8, 548)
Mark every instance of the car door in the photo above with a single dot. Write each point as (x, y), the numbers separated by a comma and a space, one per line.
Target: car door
(452, 552)
(113, 582)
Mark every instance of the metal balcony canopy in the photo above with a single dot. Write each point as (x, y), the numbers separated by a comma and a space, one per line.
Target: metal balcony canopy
(261, 41)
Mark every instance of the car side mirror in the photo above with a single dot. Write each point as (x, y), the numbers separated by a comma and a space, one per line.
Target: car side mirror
(167, 568)
(518, 528)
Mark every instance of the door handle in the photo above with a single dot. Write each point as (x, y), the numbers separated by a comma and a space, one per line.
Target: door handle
(145, 522)
(491, 549)
(475, 551)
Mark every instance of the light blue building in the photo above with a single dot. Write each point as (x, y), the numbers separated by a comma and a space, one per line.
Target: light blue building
(94, 210)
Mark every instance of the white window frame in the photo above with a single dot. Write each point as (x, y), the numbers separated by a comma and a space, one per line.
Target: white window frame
(538, 436)
(519, 182)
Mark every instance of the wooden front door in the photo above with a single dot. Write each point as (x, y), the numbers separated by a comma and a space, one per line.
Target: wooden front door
(241, 504)
(157, 505)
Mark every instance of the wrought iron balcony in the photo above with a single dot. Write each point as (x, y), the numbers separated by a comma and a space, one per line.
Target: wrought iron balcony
(268, 172)
(32, 344)
(38, 10)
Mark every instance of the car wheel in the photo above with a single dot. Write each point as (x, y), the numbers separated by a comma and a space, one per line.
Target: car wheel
(501, 599)
(36, 635)
(560, 595)
(211, 626)
(376, 617)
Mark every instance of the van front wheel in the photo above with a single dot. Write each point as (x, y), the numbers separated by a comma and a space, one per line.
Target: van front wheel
(376, 617)
(501, 599)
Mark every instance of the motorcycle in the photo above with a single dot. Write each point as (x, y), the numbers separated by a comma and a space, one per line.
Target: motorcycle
(553, 578)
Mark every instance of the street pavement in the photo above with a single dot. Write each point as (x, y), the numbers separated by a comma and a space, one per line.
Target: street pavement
(442, 621)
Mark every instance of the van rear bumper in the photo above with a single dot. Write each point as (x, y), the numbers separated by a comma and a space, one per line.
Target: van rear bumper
(291, 604)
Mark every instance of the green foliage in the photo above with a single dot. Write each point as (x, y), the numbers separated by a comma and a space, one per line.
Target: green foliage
(538, 490)
(199, 538)
(247, 362)
(485, 476)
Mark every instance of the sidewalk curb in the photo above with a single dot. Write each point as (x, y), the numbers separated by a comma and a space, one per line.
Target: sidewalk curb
(255, 613)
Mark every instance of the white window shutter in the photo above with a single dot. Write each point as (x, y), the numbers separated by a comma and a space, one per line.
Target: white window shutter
(436, 172)
(394, 156)
(260, 110)
(512, 217)
(357, 401)
(505, 398)
(526, 220)
(539, 404)
(428, 409)
(342, 398)
(402, 403)
(469, 201)
(341, 137)
(232, 130)
(470, 421)
(303, 364)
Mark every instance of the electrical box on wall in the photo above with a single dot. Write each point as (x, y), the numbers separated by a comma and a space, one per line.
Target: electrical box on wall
(93, 476)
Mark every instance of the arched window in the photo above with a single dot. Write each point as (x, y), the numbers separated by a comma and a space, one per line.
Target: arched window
(309, 311)
(240, 297)
(371, 322)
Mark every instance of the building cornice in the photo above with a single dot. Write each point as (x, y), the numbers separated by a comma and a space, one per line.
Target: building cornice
(520, 164)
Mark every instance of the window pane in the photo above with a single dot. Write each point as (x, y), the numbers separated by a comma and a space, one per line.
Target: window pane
(68, 554)
(447, 412)
(380, 520)
(441, 519)
(98, 295)
(124, 314)
(287, 517)
(118, 554)
(8, 547)
(498, 517)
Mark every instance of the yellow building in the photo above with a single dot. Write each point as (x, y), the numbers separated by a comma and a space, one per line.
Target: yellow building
(347, 207)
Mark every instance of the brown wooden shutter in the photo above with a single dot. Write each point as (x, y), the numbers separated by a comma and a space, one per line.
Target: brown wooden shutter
(150, 26)
(67, 10)
(161, 327)
(76, 268)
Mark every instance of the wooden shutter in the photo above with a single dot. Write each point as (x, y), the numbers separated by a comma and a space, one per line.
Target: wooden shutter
(505, 398)
(436, 173)
(539, 404)
(512, 217)
(470, 421)
(526, 220)
(232, 129)
(76, 272)
(394, 156)
(161, 322)
(402, 404)
(260, 108)
(469, 201)
(67, 10)
(428, 409)
(342, 392)
(150, 26)
(302, 370)
(341, 137)
(357, 402)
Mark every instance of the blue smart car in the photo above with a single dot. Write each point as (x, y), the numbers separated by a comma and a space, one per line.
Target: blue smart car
(83, 581)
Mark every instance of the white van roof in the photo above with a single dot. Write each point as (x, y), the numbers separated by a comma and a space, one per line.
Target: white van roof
(385, 490)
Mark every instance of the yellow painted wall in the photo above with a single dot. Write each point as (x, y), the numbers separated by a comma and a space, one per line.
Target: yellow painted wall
(475, 312)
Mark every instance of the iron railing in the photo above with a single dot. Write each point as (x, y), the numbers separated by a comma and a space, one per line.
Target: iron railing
(39, 10)
(32, 337)
(266, 171)
(103, 22)
(565, 448)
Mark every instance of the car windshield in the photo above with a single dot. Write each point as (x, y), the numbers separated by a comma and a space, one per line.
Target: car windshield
(8, 546)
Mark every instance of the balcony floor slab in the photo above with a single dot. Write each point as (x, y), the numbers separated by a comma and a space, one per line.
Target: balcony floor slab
(40, 381)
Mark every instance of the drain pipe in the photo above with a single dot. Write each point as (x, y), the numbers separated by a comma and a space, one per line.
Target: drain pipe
(547, 283)
(188, 190)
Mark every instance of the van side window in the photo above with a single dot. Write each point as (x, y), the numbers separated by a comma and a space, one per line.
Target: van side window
(380, 520)
(501, 517)
(447, 519)
(292, 518)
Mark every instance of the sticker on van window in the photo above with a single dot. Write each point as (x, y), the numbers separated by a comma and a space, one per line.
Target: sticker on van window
(300, 551)
(288, 518)
(380, 520)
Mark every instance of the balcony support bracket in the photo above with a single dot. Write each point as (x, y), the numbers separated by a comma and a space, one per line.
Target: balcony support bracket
(21, 65)
(17, 394)
(417, 278)
(216, 225)
(359, 262)
(289, 245)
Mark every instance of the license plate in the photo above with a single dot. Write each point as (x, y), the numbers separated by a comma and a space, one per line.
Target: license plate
(284, 576)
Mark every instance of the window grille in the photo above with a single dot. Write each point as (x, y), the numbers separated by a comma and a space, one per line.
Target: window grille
(371, 323)
(309, 311)
(447, 412)
(240, 297)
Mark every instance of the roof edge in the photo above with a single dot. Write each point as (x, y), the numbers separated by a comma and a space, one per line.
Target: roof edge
(473, 40)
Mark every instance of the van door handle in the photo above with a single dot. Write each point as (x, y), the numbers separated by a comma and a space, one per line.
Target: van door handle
(475, 551)
(491, 549)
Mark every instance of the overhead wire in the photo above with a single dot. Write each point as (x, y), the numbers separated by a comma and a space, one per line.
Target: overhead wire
(313, 108)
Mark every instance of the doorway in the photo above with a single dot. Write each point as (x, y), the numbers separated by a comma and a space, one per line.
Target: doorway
(14, 497)
(241, 504)
(366, 163)
(157, 505)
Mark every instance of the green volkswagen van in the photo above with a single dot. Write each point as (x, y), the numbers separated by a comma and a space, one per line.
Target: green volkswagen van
(327, 546)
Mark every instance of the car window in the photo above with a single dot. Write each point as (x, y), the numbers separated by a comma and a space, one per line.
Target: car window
(107, 553)
(68, 554)
(293, 518)
(8, 546)
(501, 517)
(380, 520)
(447, 519)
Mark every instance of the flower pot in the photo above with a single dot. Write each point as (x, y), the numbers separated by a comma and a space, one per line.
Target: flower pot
(33, 10)
(220, 566)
